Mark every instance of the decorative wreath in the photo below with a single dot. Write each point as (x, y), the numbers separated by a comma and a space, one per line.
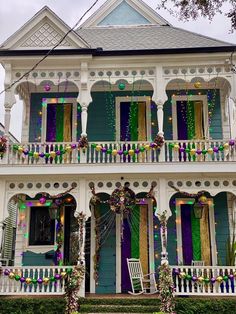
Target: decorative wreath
(122, 200)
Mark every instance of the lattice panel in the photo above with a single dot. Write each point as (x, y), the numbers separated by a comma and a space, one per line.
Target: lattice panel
(45, 36)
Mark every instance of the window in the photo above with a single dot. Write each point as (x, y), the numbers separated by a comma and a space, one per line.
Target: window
(42, 228)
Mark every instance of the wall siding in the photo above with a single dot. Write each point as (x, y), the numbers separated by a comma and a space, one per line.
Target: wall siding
(101, 114)
(37, 259)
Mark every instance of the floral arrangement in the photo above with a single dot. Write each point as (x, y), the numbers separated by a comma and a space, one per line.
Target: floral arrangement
(83, 142)
(122, 199)
(159, 141)
(3, 146)
(166, 289)
(72, 288)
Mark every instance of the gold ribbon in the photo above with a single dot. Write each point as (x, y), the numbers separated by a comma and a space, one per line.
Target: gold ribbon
(143, 238)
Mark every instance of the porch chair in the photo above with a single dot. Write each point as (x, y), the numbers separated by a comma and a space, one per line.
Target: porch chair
(198, 263)
(140, 283)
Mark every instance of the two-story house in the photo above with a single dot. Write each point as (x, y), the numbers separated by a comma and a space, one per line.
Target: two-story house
(124, 80)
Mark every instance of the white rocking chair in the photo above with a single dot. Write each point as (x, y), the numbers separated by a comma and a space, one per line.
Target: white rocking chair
(140, 283)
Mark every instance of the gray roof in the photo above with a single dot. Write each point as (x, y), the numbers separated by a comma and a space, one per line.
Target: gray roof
(146, 37)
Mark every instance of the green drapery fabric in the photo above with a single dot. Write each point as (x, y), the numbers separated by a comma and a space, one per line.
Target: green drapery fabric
(135, 220)
(196, 238)
(59, 123)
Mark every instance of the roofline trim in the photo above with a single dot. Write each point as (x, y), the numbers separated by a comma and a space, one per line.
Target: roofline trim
(101, 52)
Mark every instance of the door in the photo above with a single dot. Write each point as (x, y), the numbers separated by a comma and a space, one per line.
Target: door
(59, 122)
(195, 236)
(71, 247)
(133, 122)
(190, 120)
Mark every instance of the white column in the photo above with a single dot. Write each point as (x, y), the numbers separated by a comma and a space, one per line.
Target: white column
(162, 207)
(3, 210)
(84, 118)
(84, 97)
(9, 100)
(160, 117)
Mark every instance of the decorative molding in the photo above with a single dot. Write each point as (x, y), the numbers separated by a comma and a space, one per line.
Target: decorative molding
(45, 36)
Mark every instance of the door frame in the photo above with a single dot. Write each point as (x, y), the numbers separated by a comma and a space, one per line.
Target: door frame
(182, 201)
(202, 98)
(59, 100)
(146, 99)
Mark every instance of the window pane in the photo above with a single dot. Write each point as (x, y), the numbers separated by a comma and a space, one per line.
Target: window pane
(42, 228)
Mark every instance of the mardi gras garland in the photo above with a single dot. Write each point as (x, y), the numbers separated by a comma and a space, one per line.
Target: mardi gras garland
(3, 146)
(166, 289)
(122, 200)
(73, 285)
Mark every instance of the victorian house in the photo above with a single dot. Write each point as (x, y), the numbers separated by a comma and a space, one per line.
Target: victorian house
(126, 119)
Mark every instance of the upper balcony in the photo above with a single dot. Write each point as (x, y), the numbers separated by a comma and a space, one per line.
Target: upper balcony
(214, 151)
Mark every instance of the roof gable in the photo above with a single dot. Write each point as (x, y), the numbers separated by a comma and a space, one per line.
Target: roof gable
(44, 31)
(124, 13)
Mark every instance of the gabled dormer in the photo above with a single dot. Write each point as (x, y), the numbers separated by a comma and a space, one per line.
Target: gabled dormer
(116, 13)
(43, 31)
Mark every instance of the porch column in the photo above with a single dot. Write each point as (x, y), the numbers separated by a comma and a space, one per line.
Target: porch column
(9, 100)
(84, 99)
(82, 213)
(3, 210)
(160, 97)
(160, 117)
(163, 213)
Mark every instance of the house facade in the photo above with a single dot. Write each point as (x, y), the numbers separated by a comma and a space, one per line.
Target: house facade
(157, 106)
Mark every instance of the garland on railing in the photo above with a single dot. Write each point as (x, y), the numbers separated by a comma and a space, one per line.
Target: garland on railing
(3, 146)
(193, 151)
(126, 152)
(166, 289)
(18, 276)
(204, 280)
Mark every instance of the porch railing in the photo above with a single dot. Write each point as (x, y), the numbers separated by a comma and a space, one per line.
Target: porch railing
(205, 280)
(34, 280)
(122, 152)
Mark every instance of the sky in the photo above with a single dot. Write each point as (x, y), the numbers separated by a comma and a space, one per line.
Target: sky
(14, 13)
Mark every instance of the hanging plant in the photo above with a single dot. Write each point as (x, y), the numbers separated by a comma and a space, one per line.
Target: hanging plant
(3, 146)
(122, 199)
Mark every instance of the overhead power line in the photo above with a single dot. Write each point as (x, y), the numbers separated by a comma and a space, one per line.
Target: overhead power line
(50, 51)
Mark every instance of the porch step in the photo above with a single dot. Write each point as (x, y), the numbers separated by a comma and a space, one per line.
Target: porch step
(119, 305)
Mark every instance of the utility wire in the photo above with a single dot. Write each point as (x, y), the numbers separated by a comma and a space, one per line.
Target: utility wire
(50, 51)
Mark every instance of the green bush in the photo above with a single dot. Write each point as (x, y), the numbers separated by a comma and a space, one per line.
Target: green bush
(56, 305)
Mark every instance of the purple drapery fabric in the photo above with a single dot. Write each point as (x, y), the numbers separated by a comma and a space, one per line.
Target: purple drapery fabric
(186, 233)
(51, 123)
(125, 253)
(124, 121)
(182, 120)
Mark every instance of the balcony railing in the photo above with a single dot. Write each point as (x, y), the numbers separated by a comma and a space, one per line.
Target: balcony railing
(122, 152)
(34, 280)
(188, 280)
(205, 280)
